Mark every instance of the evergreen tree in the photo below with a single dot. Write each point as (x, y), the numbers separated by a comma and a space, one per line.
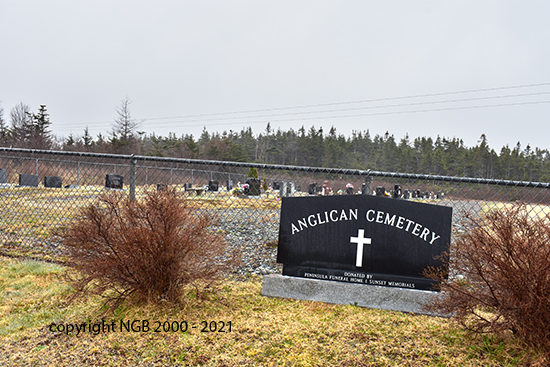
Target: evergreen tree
(41, 137)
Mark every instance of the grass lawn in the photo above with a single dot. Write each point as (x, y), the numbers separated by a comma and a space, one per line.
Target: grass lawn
(255, 330)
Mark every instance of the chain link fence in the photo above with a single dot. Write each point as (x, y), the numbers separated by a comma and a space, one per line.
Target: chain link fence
(44, 190)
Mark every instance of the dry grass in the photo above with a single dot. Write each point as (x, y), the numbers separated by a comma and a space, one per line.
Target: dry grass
(265, 331)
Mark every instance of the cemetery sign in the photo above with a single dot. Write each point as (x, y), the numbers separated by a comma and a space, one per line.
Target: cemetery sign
(363, 239)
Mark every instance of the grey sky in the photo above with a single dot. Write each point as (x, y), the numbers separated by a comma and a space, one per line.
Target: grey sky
(181, 58)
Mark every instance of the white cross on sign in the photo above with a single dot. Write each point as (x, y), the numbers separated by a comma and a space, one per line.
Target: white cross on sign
(360, 240)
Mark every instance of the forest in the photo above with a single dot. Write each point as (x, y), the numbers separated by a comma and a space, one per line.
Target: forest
(311, 146)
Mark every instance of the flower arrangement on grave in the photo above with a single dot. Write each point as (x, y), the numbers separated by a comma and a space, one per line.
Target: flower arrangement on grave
(236, 191)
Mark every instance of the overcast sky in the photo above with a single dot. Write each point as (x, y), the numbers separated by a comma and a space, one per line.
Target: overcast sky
(190, 64)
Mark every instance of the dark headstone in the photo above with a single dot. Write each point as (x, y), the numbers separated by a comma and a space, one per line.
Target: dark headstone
(28, 180)
(312, 188)
(276, 185)
(418, 193)
(229, 185)
(397, 192)
(114, 181)
(3, 175)
(363, 239)
(349, 190)
(162, 187)
(187, 186)
(254, 187)
(213, 185)
(53, 181)
(380, 191)
(406, 194)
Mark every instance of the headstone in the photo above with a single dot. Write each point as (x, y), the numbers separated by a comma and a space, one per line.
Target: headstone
(363, 239)
(3, 176)
(283, 188)
(406, 194)
(213, 185)
(229, 185)
(380, 191)
(53, 181)
(254, 187)
(418, 194)
(312, 188)
(290, 189)
(28, 180)
(162, 187)
(113, 181)
(276, 185)
(365, 190)
(187, 186)
(349, 190)
(397, 192)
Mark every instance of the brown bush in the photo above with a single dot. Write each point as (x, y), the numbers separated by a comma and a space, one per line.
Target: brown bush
(143, 250)
(500, 275)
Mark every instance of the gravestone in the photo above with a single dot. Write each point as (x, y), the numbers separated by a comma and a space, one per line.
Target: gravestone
(283, 188)
(229, 185)
(276, 185)
(53, 181)
(291, 189)
(162, 187)
(312, 188)
(3, 176)
(113, 181)
(406, 194)
(254, 187)
(378, 244)
(380, 191)
(28, 180)
(397, 192)
(365, 189)
(213, 185)
(187, 186)
(349, 190)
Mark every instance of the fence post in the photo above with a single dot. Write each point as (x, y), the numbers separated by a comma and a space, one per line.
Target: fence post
(132, 178)
(367, 186)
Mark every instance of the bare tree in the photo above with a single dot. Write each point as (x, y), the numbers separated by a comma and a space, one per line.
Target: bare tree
(21, 125)
(4, 131)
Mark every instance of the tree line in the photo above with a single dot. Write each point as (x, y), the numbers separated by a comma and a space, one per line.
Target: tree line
(304, 147)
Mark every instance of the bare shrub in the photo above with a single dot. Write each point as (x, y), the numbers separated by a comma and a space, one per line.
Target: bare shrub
(144, 250)
(500, 275)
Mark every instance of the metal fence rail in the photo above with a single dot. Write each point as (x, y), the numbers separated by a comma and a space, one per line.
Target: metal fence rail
(43, 190)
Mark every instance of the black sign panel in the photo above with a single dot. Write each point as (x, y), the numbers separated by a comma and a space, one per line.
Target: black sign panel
(363, 239)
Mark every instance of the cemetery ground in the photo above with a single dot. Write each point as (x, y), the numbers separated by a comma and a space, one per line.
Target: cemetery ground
(257, 330)
(231, 325)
